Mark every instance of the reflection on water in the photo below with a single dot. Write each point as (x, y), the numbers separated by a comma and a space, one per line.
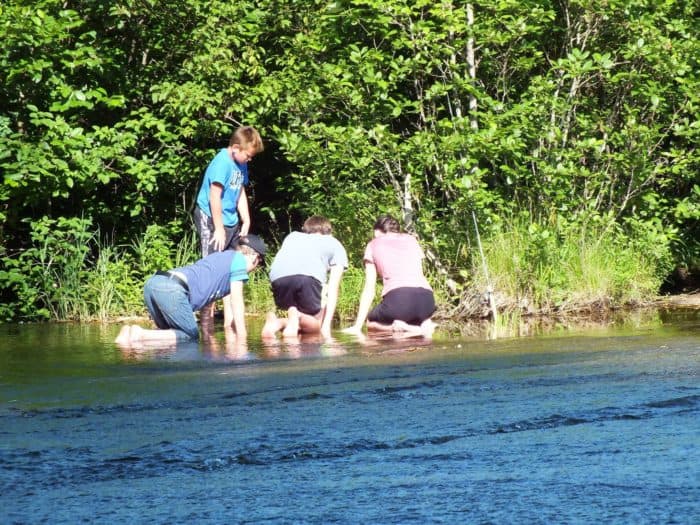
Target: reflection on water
(599, 424)
(224, 346)
(515, 325)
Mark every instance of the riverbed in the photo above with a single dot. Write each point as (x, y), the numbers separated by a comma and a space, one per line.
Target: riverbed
(583, 425)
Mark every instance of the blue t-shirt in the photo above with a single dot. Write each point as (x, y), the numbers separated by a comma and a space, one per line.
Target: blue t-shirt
(309, 254)
(209, 279)
(232, 177)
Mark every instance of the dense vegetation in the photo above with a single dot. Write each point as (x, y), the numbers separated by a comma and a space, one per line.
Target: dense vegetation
(566, 131)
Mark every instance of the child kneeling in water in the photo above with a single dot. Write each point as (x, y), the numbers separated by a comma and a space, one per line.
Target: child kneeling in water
(173, 296)
(407, 299)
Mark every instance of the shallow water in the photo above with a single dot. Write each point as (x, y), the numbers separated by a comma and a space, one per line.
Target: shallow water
(580, 426)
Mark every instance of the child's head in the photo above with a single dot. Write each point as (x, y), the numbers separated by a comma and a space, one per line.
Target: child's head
(387, 224)
(248, 139)
(252, 245)
(317, 224)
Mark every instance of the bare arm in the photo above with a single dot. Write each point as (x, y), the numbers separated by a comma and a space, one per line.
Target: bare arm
(365, 298)
(236, 310)
(335, 275)
(243, 211)
(217, 215)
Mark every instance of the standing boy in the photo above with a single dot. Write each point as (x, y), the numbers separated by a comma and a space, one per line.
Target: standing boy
(298, 273)
(172, 296)
(222, 214)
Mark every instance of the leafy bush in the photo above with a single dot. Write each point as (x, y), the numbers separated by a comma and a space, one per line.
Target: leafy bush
(46, 280)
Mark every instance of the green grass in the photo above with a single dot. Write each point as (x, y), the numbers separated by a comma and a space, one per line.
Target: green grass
(69, 274)
(556, 269)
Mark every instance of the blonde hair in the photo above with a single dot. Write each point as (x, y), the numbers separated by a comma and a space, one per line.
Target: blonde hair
(317, 224)
(247, 137)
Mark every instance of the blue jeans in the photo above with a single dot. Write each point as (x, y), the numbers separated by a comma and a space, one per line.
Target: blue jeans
(169, 305)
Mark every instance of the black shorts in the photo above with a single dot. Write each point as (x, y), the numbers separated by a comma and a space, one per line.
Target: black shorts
(205, 229)
(412, 305)
(301, 291)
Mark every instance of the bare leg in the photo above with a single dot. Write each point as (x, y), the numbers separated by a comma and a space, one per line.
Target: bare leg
(272, 325)
(403, 326)
(310, 324)
(124, 337)
(292, 328)
(135, 333)
(169, 336)
(378, 327)
(206, 314)
(427, 328)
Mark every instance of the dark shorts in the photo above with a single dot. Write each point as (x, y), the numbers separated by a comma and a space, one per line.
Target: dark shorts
(412, 305)
(205, 229)
(169, 305)
(301, 291)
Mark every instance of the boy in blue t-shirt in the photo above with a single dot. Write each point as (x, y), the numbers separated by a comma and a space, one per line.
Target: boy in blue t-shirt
(172, 296)
(222, 213)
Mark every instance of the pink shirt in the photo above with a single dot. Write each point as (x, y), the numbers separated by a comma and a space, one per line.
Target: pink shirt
(399, 261)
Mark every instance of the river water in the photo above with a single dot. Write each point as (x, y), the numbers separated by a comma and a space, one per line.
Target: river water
(595, 425)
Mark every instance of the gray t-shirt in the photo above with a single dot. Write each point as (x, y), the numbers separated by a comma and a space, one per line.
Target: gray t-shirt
(308, 254)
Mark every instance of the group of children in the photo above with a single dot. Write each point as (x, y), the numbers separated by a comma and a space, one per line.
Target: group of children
(307, 262)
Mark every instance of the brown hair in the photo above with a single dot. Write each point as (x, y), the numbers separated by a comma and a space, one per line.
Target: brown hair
(317, 224)
(247, 137)
(386, 224)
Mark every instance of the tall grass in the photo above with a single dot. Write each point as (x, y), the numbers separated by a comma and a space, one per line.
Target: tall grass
(114, 287)
(59, 260)
(257, 292)
(349, 295)
(69, 274)
(569, 268)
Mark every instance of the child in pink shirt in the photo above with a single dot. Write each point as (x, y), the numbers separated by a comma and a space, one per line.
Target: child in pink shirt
(407, 298)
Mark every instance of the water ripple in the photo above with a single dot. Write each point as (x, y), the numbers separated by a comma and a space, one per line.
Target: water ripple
(83, 464)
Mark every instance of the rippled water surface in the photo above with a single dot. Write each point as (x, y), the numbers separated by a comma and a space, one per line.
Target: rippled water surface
(587, 426)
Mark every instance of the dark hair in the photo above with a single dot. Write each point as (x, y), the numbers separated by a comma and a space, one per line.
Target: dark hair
(386, 224)
(317, 224)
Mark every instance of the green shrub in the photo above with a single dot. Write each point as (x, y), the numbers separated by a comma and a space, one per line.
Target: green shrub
(46, 280)
(566, 266)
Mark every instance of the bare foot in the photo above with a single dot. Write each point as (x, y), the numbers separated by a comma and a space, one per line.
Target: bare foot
(427, 328)
(272, 325)
(136, 333)
(124, 338)
(400, 326)
(292, 328)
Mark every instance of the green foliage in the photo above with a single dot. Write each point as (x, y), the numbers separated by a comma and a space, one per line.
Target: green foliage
(45, 280)
(257, 293)
(349, 295)
(113, 288)
(153, 251)
(68, 273)
(579, 114)
(562, 266)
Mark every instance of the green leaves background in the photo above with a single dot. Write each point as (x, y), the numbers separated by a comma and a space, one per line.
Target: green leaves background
(564, 114)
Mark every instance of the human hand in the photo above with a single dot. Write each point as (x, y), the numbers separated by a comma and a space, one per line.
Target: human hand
(245, 228)
(355, 330)
(218, 239)
(236, 344)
